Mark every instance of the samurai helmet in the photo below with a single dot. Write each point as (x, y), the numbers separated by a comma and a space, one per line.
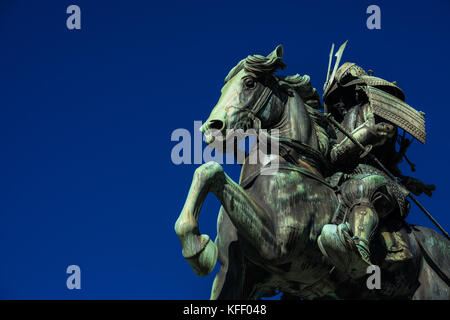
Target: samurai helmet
(348, 75)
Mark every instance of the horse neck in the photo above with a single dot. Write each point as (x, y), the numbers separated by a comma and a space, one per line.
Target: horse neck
(293, 122)
(296, 124)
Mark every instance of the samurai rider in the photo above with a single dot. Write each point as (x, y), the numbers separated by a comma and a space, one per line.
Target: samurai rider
(371, 110)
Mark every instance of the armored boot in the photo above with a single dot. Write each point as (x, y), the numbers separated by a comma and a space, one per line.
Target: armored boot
(364, 221)
(347, 245)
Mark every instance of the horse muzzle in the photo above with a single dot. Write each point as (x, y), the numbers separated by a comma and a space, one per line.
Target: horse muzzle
(212, 129)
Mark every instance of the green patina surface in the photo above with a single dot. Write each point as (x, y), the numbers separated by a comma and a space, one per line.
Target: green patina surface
(287, 230)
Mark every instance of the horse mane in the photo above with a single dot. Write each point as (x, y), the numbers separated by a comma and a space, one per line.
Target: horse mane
(302, 86)
(310, 96)
(258, 66)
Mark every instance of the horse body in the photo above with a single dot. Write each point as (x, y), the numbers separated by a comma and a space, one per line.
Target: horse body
(269, 223)
(298, 207)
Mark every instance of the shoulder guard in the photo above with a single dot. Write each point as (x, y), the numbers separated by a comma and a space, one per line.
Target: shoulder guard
(397, 111)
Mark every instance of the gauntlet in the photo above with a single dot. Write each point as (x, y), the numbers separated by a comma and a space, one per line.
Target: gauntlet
(346, 152)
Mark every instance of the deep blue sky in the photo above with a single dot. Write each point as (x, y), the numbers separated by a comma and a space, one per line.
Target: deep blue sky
(86, 119)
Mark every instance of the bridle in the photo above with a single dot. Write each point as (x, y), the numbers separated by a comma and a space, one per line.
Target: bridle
(262, 101)
(290, 149)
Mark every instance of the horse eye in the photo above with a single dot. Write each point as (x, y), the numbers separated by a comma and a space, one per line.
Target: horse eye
(249, 83)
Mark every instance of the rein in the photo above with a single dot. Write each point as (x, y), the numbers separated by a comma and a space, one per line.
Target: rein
(295, 152)
(287, 167)
(262, 101)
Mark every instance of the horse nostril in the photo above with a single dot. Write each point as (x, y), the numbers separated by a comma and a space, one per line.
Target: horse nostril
(215, 124)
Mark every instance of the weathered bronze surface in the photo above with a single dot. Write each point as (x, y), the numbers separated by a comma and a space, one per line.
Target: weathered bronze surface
(311, 225)
(398, 112)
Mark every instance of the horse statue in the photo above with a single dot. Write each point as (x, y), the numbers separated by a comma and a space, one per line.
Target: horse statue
(269, 223)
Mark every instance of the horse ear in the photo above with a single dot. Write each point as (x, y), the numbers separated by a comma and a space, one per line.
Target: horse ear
(275, 58)
(277, 53)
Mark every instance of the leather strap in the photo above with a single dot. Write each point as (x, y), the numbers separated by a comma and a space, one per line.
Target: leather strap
(288, 167)
(263, 99)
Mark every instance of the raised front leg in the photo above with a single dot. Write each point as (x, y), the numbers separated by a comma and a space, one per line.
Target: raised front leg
(199, 250)
(247, 216)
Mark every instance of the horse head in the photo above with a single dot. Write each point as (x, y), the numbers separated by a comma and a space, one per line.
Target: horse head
(250, 98)
(254, 98)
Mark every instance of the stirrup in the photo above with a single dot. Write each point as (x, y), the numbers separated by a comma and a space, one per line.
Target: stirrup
(363, 249)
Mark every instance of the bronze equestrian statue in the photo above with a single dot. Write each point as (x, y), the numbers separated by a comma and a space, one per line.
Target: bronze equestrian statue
(311, 224)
